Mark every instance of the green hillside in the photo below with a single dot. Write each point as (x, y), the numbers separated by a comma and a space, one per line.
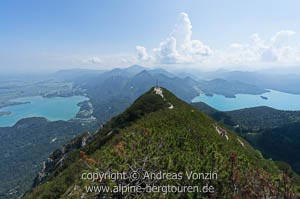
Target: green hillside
(264, 128)
(161, 134)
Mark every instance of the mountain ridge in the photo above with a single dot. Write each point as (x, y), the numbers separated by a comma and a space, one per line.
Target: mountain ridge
(174, 139)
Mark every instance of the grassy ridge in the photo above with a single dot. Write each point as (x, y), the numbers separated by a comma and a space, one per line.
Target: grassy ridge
(181, 139)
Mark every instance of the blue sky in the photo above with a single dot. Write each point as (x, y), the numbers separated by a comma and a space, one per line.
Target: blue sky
(55, 34)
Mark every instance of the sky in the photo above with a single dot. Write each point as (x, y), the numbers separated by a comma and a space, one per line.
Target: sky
(199, 34)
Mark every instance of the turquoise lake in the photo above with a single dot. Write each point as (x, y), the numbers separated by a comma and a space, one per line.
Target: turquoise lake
(276, 99)
(54, 108)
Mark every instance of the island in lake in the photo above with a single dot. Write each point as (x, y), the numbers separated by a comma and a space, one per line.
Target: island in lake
(5, 113)
(264, 97)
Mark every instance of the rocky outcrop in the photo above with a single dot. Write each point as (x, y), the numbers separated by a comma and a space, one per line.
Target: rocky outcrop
(222, 132)
(56, 158)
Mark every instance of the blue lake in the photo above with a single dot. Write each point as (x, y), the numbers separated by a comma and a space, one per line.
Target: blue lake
(54, 108)
(275, 99)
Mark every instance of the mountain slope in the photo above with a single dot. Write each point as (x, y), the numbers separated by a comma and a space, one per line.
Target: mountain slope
(252, 119)
(264, 117)
(25, 145)
(160, 133)
(113, 91)
(264, 128)
(229, 88)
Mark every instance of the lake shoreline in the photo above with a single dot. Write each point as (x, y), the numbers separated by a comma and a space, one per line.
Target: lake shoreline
(274, 99)
(53, 109)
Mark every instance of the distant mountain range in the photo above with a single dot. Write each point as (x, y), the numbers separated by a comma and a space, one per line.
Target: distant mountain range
(284, 82)
(112, 91)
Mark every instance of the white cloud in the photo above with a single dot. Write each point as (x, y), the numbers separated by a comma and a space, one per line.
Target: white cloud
(183, 31)
(179, 47)
(183, 35)
(277, 49)
(124, 61)
(281, 37)
(269, 55)
(167, 52)
(283, 48)
(142, 53)
(236, 46)
(92, 60)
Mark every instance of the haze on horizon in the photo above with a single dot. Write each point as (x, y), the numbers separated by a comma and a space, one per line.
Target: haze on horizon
(203, 35)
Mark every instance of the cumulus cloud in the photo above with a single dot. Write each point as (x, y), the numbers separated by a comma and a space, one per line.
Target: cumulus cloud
(179, 47)
(269, 55)
(183, 35)
(277, 48)
(283, 47)
(92, 60)
(167, 52)
(124, 61)
(281, 37)
(236, 46)
(141, 53)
